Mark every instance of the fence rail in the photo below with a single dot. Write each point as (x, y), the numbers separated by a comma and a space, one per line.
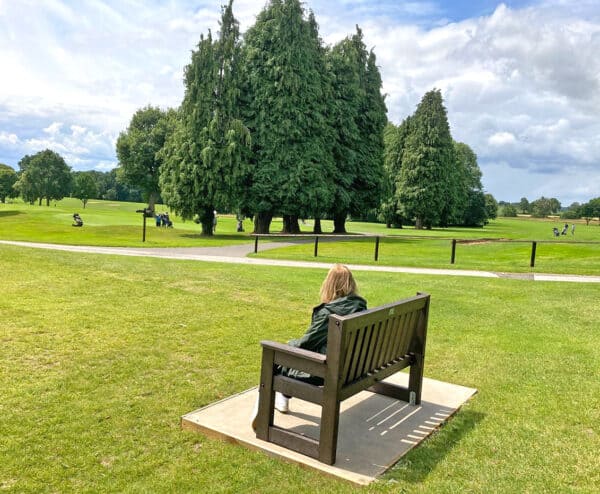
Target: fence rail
(377, 238)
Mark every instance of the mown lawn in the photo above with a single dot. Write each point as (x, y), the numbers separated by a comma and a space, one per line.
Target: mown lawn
(117, 224)
(101, 355)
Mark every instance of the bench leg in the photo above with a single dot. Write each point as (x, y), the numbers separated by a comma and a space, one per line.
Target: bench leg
(266, 396)
(330, 416)
(415, 379)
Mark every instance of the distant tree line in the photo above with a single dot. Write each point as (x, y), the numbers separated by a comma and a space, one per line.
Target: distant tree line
(45, 177)
(544, 206)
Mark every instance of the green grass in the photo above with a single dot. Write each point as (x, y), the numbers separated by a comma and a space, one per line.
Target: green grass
(93, 383)
(117, 224)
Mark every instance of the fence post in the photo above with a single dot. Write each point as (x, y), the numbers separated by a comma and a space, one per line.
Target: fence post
(255, 244)
(316, 245)
(453, 255)
(376, 248)
(533, 247)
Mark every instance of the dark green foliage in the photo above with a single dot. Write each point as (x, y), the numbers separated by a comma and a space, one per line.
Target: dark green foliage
(524, 206)
(491, 206)
(45, 175)
(359, 118)
(84, 187)
(8, 178)
(425, 187)
(470, 204)
(509, 211)
(394, 144)
(544, 206)
(591, 209)
(286, 95)
(138, 151)
(205, 158)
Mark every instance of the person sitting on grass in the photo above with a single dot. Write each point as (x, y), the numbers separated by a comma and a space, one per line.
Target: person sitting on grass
(339, 295)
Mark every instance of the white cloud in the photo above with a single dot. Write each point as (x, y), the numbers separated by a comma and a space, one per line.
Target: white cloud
(522, 87)
(502, 139)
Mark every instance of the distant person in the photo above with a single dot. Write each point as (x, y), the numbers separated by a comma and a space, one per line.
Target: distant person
(573, 229)
(158, 219)
(214, 221)
(565, 229)
(556, 232)
(339, 295)
(240, 223)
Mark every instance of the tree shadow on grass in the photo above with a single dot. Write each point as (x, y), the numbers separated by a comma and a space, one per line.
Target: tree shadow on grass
(10, 213)
(217, 236)
(422, 460)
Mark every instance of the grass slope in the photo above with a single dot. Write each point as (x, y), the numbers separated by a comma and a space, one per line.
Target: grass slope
(101, 355)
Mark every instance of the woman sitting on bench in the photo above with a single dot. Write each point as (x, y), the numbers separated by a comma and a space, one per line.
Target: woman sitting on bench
(339, 295)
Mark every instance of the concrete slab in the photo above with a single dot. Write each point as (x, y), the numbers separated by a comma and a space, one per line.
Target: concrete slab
(375, 431)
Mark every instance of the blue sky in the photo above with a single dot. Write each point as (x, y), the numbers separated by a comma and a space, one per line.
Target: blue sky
(520, 79)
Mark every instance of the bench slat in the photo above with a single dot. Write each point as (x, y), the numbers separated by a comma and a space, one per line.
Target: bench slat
(292, 440)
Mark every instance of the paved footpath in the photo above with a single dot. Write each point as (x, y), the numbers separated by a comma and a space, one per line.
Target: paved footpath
(237, 254)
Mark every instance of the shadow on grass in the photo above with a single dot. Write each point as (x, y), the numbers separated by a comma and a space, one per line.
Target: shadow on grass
(10, 213)
(421, 461)
(217, 236)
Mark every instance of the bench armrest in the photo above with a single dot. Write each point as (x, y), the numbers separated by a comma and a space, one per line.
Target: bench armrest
(317, 358)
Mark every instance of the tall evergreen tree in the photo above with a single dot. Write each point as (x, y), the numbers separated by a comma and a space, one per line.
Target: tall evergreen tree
(204, 160)
(286, 91)
(470, 205)
(394, 144)
(359, 118)
(429, 154)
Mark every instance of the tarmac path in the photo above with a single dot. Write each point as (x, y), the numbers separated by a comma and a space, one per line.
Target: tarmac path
(237, 254)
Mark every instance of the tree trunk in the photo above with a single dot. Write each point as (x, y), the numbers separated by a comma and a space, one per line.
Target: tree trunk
(262, 222)
(40, 201)
(339, 223)
(418, 223)
(47, 202)
(206, 220)
(317, 228)
(290, 224)
(152, 201)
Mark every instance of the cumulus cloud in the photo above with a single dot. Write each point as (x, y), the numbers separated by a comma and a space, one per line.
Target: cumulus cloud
(521, 86)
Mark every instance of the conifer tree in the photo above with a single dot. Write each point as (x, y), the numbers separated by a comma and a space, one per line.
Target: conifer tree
(286, 106)
(359, 118)
(204, 159)
(428, 155)
(394, 144)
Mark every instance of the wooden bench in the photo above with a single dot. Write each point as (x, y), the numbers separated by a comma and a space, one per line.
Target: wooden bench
(362, 349)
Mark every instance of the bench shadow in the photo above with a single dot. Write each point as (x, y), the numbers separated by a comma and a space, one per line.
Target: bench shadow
(418, 463)
(10, 213)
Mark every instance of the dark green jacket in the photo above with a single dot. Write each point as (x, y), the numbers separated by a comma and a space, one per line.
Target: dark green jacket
(315, 338)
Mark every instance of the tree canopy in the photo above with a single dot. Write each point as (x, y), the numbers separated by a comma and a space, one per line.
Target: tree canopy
(138, 148)
(205, 157)
(286, 86)
(424, 187)
(45, 175)
(8, 178)
(84, 187)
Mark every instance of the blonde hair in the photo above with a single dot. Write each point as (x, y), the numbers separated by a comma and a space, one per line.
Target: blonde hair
(338, 283)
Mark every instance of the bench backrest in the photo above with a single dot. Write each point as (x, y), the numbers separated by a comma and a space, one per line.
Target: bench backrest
(373, 340)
